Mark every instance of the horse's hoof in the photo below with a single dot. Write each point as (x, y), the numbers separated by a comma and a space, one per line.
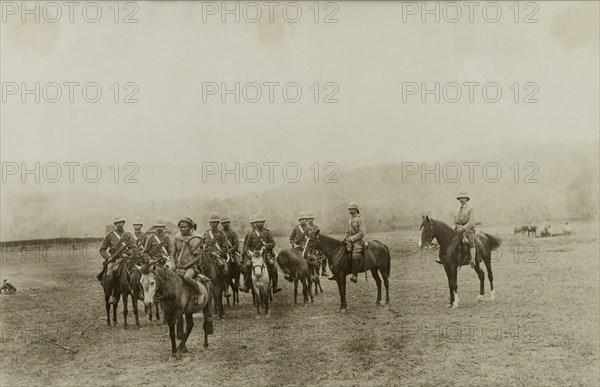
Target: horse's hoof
(125, 326)
(449, 306)
(185, 349)
(377, 303)
(343, 310)
(387, 303)
(268, 314)
(479, 297)
(493, 295)
(138, 325)
(454, 306)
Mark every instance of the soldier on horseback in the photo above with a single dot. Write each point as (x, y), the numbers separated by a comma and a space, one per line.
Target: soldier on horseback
(138, 236)
(354, 237)
(158, 246)
(464, 224)
(215, 245)
(231, 235)
(115, 245)
(310, 217)
(299, 234)
(187, 253)
(259, 237)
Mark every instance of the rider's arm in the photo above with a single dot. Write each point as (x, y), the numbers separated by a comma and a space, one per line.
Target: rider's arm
(471, 223)
(104, 247)
(362, 231)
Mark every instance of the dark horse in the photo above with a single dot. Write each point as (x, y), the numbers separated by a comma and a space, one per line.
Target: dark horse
(177, 301)
(376, 259)
(235, 267)
(291, 261)
(454, 253)
(128, 285)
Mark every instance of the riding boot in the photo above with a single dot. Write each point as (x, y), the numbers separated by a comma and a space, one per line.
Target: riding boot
(473, 253)
(109, 279)
(275, 275)
(354, 270)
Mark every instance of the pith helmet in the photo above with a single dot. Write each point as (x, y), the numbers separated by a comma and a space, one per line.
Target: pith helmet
(118, 218)
(225, 219)
(353, 205)
(463, 194)
(310, 215)
(214, 217)
(301, 215)
(137, 220)
(259, 217)
(252, 218)
(160, 222)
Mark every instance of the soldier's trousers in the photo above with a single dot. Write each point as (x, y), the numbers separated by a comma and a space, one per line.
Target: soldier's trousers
(189, 276)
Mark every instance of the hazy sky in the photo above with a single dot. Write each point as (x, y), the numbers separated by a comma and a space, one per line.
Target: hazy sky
(368, 54)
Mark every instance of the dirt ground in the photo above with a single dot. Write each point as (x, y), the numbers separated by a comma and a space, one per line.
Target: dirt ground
(542, 328)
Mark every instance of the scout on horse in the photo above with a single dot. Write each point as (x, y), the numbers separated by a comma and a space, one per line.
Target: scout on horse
(178, 301)
(454, 253)
(374, 257)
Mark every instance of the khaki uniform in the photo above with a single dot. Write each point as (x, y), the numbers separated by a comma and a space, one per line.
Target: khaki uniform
(299, 235)
(111, 243)
(233, 241)
(140, 238)
(355, 233)
(218, 249)
(465, 217)
(157, 246)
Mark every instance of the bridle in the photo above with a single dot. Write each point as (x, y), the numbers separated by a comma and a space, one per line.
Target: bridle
(262, 268)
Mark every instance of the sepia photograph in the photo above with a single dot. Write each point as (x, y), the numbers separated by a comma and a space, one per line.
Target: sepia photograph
(300, 193)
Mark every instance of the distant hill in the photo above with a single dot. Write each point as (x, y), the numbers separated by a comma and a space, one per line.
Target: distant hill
(389, 197)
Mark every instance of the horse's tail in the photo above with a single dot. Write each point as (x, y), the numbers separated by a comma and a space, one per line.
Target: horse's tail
(389, 260)
(494, 242)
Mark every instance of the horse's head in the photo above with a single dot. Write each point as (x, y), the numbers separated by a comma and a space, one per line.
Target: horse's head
(313, 237)
(258, 262)
(427, 232)
(148, 280)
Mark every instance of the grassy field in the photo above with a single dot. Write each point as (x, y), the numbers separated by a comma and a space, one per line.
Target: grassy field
(542, 329)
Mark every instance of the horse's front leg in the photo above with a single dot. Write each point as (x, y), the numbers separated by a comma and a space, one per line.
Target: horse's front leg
(172, 337)
(449, 276)
(455, 285)
(295, 290)
(134, 302)
(125, 310)
(115, 306)
(107, 305)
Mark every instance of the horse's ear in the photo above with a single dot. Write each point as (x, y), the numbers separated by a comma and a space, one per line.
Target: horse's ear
(427, 218)
(317, 233)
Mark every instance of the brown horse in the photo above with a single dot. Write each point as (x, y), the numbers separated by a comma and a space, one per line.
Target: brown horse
(128, 285)
(314, 265)
(177, 301)
(291, 261)
(235, 267)
(376, 258)
(454, 253)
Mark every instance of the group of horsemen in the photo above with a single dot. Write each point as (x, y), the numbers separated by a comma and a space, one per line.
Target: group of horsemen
(187, 250)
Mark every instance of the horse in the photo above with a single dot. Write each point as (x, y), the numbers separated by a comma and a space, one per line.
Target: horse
(520, 230)
(210, 268)
(376, 258)
(532, 230)
(453, 254)
(235, 267)
(291, 261)
(261, 281)
(128, 285)
(314, 264)
(177, 301)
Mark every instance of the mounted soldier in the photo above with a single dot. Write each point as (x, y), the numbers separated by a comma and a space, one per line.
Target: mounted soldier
(138, 236)
(355, 234)
(215, 246)
(259, 237)
(158, 246)
(299, 235)
(116, 245)
(245, 246)
(232, 237)
(187, 254)
(464, 223)
(310, 218)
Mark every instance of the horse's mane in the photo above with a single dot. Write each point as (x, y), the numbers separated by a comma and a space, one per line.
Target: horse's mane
(168, 279)
(335, 264)
(289, 258)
